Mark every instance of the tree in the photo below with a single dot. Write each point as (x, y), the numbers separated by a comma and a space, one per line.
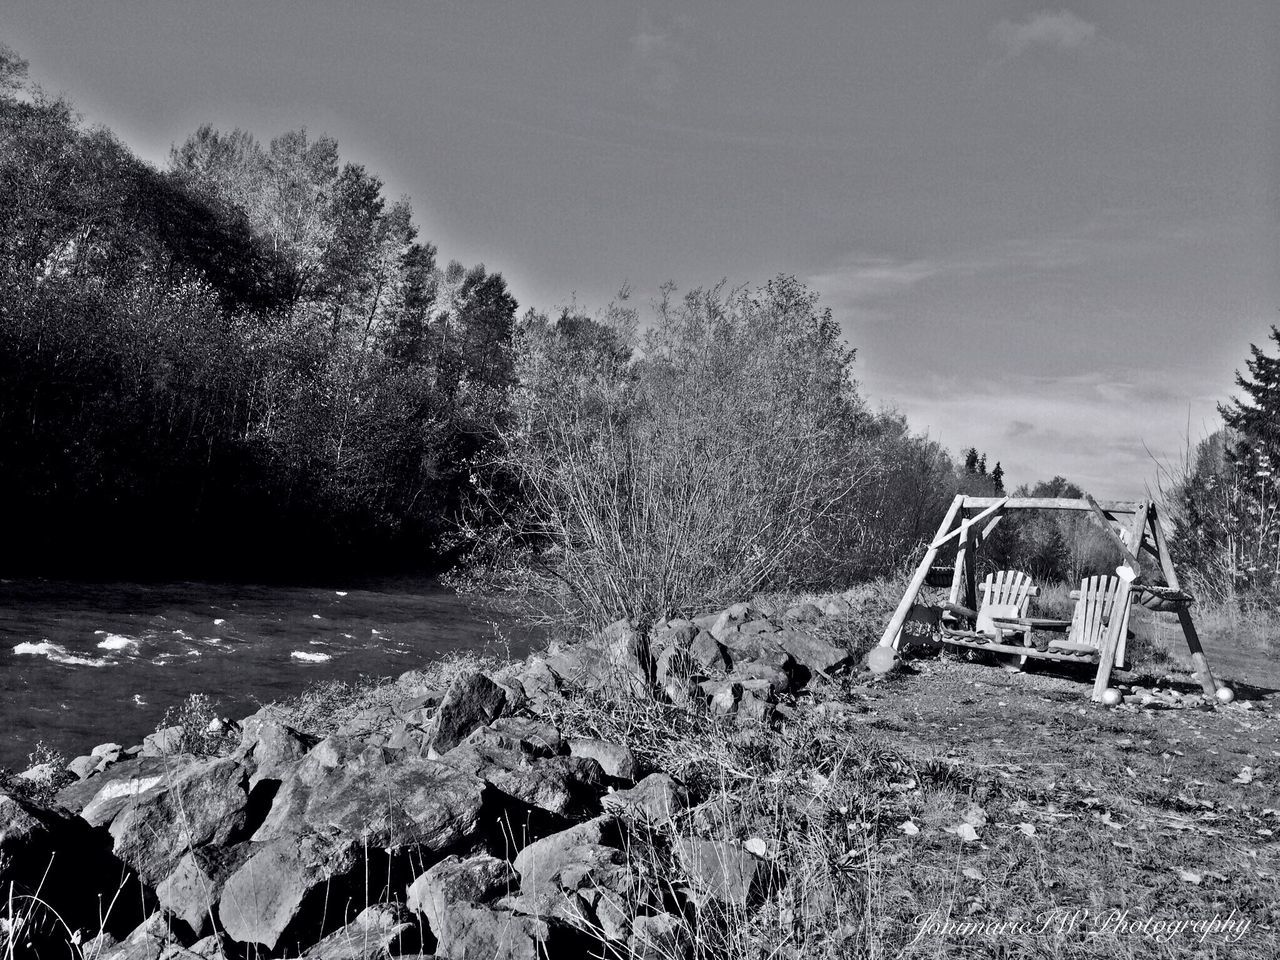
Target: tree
(1225, 502)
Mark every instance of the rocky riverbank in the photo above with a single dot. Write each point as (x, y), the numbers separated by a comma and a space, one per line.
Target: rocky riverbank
(461, 820)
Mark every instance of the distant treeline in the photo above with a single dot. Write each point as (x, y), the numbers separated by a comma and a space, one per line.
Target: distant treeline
(246, 363)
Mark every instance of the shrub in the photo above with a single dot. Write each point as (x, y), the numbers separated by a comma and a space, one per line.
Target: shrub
(724, 452)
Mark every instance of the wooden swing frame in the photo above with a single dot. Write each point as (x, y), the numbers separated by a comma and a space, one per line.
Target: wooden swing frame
(1133, 526)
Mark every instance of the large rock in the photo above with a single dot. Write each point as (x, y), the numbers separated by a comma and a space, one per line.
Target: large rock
(55, 853)
(153, 939)
(473, 931)
(480, 879)
(190, 892)
(628, 649)
(615, 759)
(803, 613)
(583, 666)
(536, 679)
(734, 617)
(564, 786)
(660, 937)
(376, 931)
(760, 647)
(773, 678)
(707, 652)
(721, 870)
(811, 651)
(344, 800)
(472, 700)
(99, 798)
(541, 860)
(655, 800)
(163, 743)
(201, 805)
(674, 633)
(270, 749)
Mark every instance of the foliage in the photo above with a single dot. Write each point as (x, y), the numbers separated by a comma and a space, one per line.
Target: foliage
(724, 452)
(201, 733)
(1223, 498)
(250, 351)
(1053, 546)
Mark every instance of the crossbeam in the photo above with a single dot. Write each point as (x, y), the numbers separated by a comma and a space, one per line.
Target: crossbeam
(1052, 503)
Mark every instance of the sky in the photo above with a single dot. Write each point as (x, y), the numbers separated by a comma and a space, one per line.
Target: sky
(1052, 232)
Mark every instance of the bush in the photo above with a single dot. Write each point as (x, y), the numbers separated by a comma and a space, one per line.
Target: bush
(729, 454)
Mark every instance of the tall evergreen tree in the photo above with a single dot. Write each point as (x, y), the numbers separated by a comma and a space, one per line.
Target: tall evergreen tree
(1256, 417)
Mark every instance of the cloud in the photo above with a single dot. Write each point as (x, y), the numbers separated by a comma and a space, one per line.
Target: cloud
(659, 55)
(1062, 31)
(861, 280)
(1105, 430)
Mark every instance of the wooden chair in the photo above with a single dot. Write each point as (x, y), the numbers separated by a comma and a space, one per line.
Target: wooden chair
(1005, 594)
(1095, 611)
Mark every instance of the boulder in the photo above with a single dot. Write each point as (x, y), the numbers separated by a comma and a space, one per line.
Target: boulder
(261, 899)
(582, 666)
(763, 648)
(674, 633)
(660, 937)
(346, 789)
(628, 650)
(803, 613)
(655, 800)
(532, 736)
(202, 804)
(473, 931)
(706, 651)
(720, 870)
(722, 695)
(811, 651)
(190, 891)
(109, 752)
(536, 679)
(541, 860)
(774, 678)
(343, 801)
(472, 700)
(480, 879)
(81, 767)
(565, 786)
(100, 797)
(414, 705)
(734, 616)
(163, 742)
(376, 931)
(753, 627)
(150, 940)
(615, 759)
(673, 664)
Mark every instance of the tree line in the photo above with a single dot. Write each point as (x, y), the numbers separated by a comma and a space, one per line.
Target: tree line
(246, 360)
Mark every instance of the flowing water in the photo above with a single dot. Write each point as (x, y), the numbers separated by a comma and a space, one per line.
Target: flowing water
(82, 664)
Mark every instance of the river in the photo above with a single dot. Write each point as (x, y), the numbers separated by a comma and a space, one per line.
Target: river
(85, 663)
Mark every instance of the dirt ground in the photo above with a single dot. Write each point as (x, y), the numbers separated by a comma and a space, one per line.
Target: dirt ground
(1118, 831)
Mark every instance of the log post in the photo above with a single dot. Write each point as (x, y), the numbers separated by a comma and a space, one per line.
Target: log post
(890, 636)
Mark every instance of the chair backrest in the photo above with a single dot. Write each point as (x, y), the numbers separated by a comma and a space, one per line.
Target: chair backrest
(1007, 588)
(1096, 607)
